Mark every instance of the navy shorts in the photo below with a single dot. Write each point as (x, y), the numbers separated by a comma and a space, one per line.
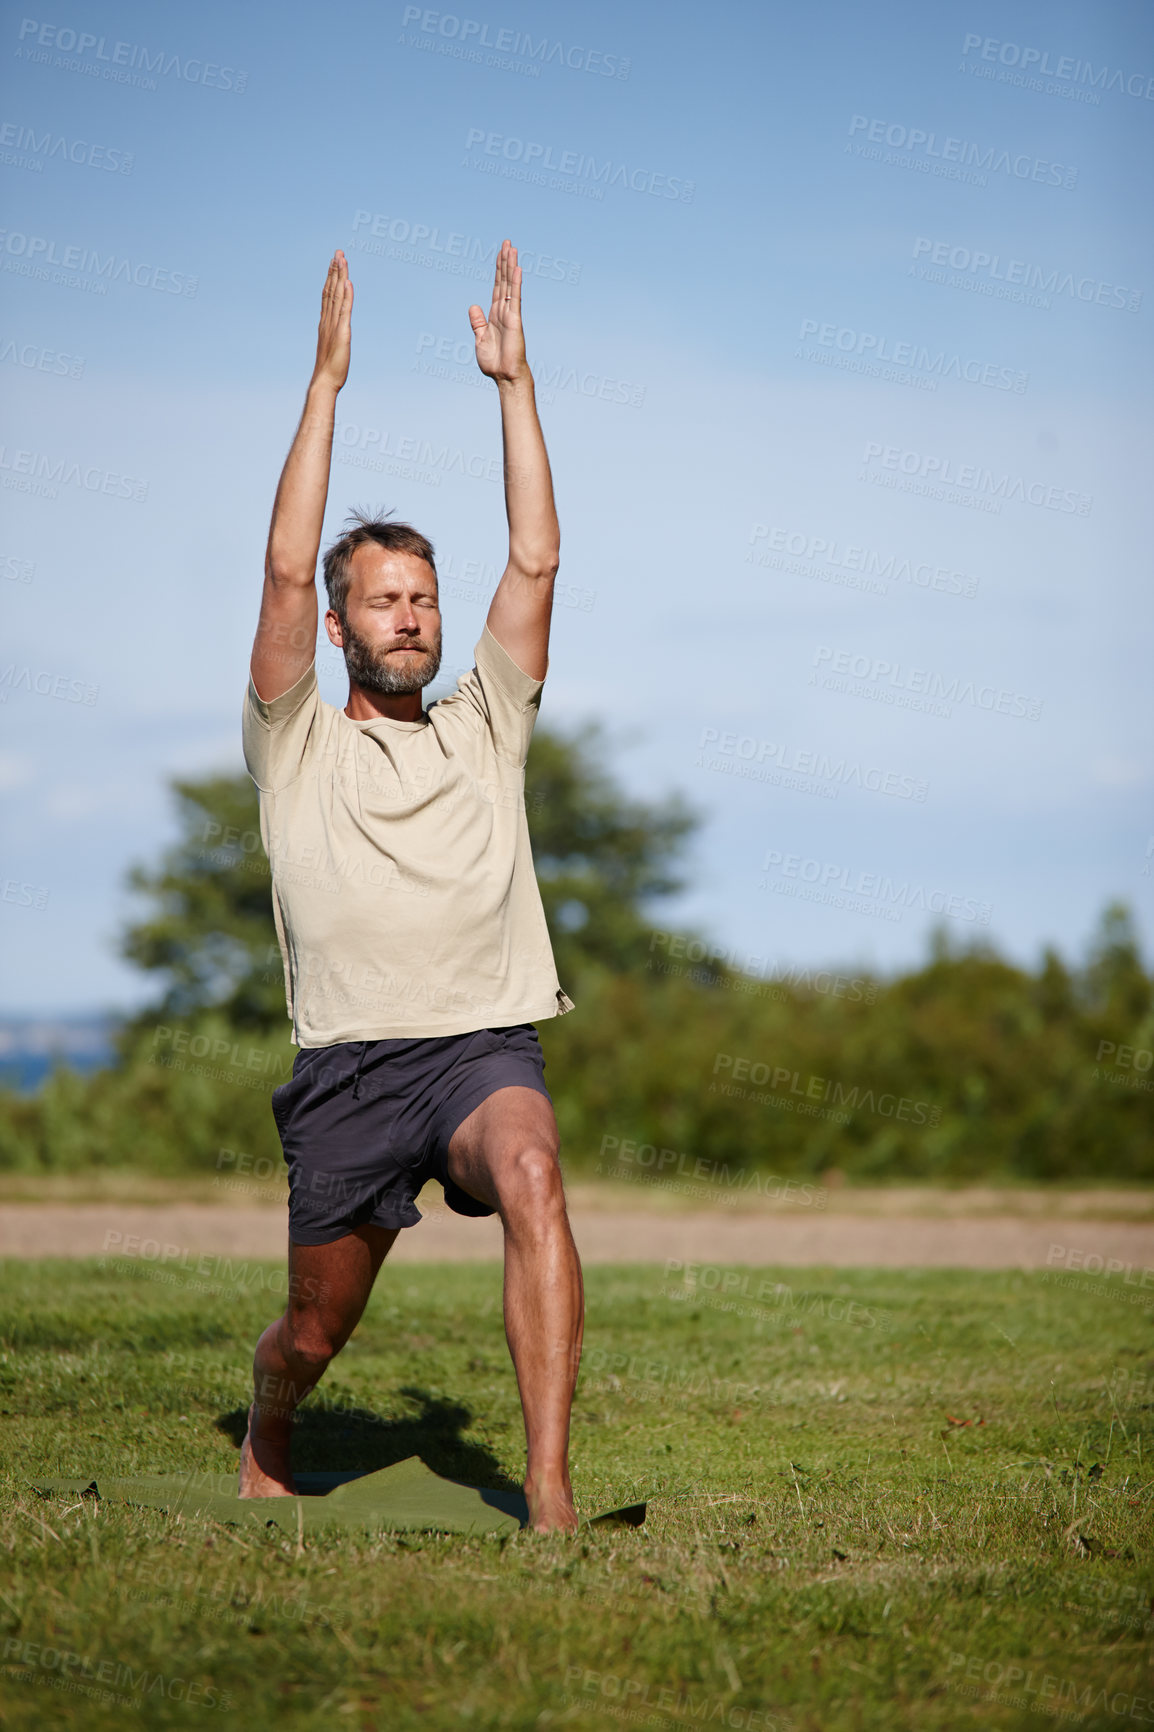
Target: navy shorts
(365, 1124)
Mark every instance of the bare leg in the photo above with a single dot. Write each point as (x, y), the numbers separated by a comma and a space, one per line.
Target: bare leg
(505, 1154)
(329, 1286)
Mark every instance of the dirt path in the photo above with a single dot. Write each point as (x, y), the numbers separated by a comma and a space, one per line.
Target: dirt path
(172, 1233)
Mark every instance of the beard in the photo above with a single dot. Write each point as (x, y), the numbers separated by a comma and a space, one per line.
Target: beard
(393, 676)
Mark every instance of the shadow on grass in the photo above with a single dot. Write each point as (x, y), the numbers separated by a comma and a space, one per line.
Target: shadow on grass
(347, 1439)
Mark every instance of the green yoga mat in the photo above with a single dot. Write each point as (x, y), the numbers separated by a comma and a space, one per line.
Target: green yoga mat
(407, 1496)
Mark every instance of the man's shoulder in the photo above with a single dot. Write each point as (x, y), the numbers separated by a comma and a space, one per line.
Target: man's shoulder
(494, 661)
(275, 710)
(280, 735)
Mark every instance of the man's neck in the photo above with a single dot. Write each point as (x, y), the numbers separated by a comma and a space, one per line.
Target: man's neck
(365, 705)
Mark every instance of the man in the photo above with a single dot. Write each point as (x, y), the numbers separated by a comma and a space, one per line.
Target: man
(415, 947)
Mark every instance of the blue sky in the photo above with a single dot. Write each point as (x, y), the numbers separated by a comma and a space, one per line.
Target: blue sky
(841, 322)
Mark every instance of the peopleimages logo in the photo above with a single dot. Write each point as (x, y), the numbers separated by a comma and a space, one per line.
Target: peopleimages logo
(840, 886)
(884, 676)
(472, 33)
(100, 1678)
(374, 447)
(858, 989)
(856, 561)
(45, 685)
(944, 472)
(463, 255)
(872, 347)
(853, 1096)
(1061, 1698)
(453, 359)
(1037, 60)
(41, 360)
(992, 270)
(124, 59)
(45, 258)
(46, 145)
(41, 473)
(783, 766)
(584, 169)
(956, 153)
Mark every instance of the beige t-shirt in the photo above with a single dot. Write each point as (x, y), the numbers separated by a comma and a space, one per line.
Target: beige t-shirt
(402, 878)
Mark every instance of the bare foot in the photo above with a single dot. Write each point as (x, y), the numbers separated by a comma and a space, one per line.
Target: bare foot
(551, 1509)
(264, 1467)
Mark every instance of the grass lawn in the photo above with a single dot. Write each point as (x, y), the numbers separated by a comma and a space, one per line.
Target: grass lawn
(827, 1547)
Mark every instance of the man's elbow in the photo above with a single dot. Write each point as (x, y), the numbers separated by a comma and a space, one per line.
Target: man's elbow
(289, 574)
(541, 567)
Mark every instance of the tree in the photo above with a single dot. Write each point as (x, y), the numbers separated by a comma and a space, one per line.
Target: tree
(1115, 983)
(210, 935)
(602, 860)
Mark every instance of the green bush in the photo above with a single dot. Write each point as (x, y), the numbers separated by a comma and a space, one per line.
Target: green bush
(966, 1069)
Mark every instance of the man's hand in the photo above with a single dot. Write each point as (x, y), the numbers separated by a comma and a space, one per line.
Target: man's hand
(500, 339)
(334, 334)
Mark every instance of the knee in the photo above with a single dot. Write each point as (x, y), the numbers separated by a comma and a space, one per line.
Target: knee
(310, 1340)
(531, 1182)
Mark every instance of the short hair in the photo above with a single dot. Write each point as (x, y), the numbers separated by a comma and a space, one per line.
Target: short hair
(396, 537)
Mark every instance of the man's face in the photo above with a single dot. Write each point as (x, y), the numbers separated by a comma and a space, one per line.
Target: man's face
(391, 633)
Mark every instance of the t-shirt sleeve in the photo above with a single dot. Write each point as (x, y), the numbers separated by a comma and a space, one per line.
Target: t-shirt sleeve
(508, 697)
(276, 734)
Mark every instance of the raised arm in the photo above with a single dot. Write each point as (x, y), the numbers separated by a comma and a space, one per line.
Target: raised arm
(522, 606)
(286, 636)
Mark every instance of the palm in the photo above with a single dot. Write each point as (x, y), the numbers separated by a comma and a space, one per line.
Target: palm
(334, 333)
(500, 339)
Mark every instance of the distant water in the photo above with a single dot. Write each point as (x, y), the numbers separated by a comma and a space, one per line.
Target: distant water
(30, 1045)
